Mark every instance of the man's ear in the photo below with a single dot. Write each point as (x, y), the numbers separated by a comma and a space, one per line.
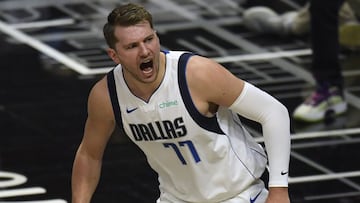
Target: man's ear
(112, 54)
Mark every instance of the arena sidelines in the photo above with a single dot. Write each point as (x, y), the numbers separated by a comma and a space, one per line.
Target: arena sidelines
(15, 32)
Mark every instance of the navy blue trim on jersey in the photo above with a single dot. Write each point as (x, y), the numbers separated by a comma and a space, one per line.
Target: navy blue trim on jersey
(207, 123)
(114, 99)
(165, 51)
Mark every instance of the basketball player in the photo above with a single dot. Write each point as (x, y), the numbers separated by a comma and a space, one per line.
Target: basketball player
(182, 111)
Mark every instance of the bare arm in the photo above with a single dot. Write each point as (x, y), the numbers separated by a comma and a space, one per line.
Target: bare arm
(211, 85)
(98, 129)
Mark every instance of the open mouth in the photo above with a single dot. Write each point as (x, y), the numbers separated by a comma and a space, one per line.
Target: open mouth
(146, 66)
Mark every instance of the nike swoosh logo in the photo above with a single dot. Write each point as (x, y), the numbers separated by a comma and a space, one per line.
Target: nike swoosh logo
(252, 200)
(130, 110)
(284, 173)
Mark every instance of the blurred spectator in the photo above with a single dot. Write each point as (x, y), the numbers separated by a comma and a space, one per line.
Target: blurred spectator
(263, 19)
(329, 23)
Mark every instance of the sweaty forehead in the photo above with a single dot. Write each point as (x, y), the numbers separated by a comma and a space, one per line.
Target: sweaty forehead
(133, 33)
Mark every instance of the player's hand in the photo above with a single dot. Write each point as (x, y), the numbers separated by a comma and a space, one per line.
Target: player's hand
(278, 195)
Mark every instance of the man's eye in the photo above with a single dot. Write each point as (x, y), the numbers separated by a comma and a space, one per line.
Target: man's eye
(131, 46)
(149, 39)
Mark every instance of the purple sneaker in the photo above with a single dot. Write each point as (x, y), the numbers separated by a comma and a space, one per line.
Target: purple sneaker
(320, 104)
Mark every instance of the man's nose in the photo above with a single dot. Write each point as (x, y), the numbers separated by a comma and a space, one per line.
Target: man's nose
(144, 51)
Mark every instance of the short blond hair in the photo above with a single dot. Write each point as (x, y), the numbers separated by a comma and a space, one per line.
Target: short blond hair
(125, 15)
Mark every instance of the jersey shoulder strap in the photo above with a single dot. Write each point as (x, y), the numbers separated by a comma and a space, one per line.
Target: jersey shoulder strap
(114, 99)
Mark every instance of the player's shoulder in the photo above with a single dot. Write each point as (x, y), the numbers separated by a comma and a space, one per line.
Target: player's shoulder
(196, 65)
(99, 101)
(201, 66)
(99, 90)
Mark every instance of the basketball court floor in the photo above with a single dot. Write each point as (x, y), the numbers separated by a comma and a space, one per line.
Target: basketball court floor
(52, 52)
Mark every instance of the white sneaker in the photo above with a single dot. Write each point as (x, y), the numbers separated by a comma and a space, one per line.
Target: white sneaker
(321, 105)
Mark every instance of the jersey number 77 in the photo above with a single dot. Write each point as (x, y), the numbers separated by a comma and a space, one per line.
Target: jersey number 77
(187, 143)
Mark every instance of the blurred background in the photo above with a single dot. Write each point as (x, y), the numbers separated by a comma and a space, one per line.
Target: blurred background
(53, 51)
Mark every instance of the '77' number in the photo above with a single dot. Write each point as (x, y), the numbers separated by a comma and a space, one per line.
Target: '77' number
(186, 143)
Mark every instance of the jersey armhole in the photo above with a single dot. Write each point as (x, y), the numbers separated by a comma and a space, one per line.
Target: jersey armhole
(210, 124)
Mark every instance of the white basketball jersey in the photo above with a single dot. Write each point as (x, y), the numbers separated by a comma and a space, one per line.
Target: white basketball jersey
(197, 158)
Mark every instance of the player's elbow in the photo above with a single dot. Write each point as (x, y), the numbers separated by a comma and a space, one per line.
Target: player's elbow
(278, 112)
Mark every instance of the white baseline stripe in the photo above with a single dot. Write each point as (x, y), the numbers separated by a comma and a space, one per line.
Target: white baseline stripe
(324, 177)
(263, 56)
(21, 192)
(319, 134)
(41, 24)
(45, 49)
(332, 196)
